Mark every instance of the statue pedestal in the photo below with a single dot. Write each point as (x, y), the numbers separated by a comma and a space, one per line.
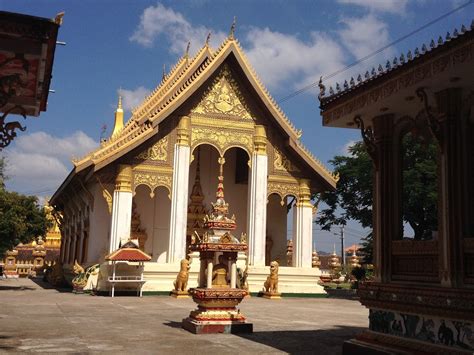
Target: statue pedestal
(179, 294)
(271, 296)
(212, 327)
(217, 312)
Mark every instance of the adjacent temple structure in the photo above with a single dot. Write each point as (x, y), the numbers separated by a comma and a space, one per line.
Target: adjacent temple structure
(155, 174)
(422, 295)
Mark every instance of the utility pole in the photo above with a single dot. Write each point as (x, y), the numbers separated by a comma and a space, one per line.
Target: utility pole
(343, 262)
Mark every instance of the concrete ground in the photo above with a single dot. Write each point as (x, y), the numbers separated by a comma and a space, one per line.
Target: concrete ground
(38, 319)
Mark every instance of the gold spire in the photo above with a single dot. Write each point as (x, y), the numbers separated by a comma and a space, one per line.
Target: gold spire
(118, 125)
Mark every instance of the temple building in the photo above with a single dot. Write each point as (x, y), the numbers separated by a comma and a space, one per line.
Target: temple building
(154, 179)
(27, 260)
(422, 296)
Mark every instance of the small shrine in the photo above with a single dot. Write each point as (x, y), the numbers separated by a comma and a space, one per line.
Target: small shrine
(217, 294)
(129, 252)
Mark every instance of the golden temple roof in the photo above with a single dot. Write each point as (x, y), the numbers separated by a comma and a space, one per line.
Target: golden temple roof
(184, 79)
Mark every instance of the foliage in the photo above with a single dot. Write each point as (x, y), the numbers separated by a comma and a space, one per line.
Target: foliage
(21, 219)
(420, 192)
(2, 173)
(353, 199)
(367, 249)
(358, 272)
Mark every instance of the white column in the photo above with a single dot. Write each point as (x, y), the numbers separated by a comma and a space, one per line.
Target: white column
(257, 207)
(233, 275)
(179, 194)
(303, 227)
(121, 208)
(210, 269)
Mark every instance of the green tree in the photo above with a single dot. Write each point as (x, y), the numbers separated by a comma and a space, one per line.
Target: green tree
(353, 199)
(21, 218)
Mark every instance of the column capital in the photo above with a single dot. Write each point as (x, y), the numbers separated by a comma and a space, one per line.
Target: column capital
(123, 182)
(304, 194)
(183, 131)
(260, 140)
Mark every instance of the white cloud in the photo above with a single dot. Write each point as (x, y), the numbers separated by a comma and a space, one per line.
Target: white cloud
(281, 58)
(132, 98)
(345, 148)
(37, 163)
(364, 35)
(159, 20)
(390, 6)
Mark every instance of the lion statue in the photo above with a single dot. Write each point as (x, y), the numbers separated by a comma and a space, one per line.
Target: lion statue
(181, 282)
(271, 285)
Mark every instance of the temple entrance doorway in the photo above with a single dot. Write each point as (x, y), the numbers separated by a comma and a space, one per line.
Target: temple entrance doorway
(276, 240)
(151, 221)
(203, 173)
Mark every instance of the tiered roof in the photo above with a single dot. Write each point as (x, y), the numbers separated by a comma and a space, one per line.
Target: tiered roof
(184, 79)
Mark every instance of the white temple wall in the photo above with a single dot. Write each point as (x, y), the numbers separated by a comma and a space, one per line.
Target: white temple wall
(99, 227)
(235, 194)
(276, 228)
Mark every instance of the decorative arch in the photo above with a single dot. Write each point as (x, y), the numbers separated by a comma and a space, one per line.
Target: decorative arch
(153, 181)
(220, 150)
(221, 139)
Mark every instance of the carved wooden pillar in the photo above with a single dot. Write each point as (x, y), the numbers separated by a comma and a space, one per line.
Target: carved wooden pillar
(452, 142)
(386, 210)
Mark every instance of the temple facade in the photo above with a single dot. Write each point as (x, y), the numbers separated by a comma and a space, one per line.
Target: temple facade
(154, 179)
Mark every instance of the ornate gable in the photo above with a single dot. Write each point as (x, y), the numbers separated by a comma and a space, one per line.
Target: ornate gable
(223, 97)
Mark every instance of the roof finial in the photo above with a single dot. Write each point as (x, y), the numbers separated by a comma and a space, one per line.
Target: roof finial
(208, 39)
(322, 88)
(186, 54)
(118, 124)
(163, 76)
(232, 28)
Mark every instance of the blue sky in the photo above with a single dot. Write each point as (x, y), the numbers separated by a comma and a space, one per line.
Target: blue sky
(124, 44)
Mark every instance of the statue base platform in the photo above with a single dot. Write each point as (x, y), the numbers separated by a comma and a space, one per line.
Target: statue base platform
(213, 327)
(271, 296)
(179, 294)
(11, 274)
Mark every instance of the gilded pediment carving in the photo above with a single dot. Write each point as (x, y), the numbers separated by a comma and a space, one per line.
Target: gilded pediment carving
(282, 163)
(223, 97)
(157, 152)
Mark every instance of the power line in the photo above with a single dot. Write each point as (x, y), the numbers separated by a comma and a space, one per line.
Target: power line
(363, 59)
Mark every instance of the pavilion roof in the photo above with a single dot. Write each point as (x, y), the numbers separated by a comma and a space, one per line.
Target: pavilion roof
(128, 252)
(184, 79)
(391, 68)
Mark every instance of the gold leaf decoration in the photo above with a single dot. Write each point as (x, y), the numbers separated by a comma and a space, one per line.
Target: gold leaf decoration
(157, 152)
(222, 139)
(152, 181)
(282, 163)
(223, 97)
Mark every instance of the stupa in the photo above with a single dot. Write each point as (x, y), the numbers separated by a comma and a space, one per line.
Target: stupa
(217, 295)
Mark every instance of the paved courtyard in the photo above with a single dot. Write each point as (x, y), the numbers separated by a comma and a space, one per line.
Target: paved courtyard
(37, 319)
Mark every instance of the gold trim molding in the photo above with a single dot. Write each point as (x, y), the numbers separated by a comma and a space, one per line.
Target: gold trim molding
(282, 163)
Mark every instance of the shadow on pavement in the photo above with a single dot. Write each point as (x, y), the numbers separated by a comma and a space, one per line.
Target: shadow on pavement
(323, 341)
(16, 288)
(47, 286)
(3, 346)
(173, 324)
